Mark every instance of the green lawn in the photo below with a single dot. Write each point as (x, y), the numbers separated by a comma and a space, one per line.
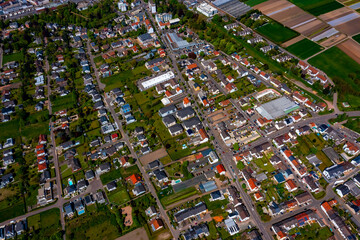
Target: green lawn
(13, 211)
(317, 7)
(9, 129)
(98, 225)
(13, 57)
(119, 80)
(353, 124)
(276, 32)
(173, 198)
(264, 164)
(357, 38)
(110, 176)
(252, 3)
(126, 172)
(118, 196)
(304, 48)
(313, 231)
(343, 70)
(65, 102)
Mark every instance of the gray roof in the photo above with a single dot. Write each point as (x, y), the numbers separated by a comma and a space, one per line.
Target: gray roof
(185, 112)
(176, 128)
(192, 122)
(168, 120)
(189, 212)
(160, 174)
(167, 110)
(277, 108)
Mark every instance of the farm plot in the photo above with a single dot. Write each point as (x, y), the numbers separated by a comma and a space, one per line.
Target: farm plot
(276, 32)
(317, 7)
(351, 27)
(292, 16)
(252, 3)
(351, 48)
(304, 48)
(340, 67)
(357, 38)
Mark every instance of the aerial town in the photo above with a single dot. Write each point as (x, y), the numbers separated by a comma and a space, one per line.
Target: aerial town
(180, 119)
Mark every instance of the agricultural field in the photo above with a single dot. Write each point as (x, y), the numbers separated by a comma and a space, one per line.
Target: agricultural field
(317, 7)
(343, 70)
(304, 48)
(357, 38)
(252, 3)
(276, 32)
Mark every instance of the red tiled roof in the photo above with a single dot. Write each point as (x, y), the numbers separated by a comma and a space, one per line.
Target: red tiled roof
(220, 168)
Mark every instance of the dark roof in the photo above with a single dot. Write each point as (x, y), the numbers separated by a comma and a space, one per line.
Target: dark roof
(167, 110)
(154, 164)
(169, 119)
(185, 112)
(89, 174)
(192, 122)
(189, 212)
(176, 128)
(160, 174)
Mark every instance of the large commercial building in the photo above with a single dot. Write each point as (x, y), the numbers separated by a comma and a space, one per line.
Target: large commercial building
(277, 108)
(207, 9)
(177, 42)
(234, 8)
(156, 80)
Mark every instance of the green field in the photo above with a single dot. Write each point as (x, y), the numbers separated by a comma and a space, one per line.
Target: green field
(13, 57)
(65, 102)
(120, 80)
(110, 176)
(317, 7)
(9, 129)
(353, 124)
(276, 32)
(13, 211)
(304, 48)
(118, 196)
(99, 225)
(343, 70)
(357, 38)
(46, 225)
(252, 3)
(173, 198)
(351, 2)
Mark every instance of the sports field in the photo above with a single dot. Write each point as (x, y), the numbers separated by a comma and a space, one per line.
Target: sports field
(343, 70)
(317, 7)
(304, 48)
(276, 32)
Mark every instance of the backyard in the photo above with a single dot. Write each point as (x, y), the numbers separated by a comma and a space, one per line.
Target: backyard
(119, 196)
(176, 197)
(13, 57)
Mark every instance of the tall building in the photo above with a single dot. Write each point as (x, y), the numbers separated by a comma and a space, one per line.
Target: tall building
(152, 7)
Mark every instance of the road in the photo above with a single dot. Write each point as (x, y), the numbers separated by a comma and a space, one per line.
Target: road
(125, 138)
(1, 56)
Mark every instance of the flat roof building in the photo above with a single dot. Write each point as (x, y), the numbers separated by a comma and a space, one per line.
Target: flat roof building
(156, 80)
(207, 9)
(277, 108)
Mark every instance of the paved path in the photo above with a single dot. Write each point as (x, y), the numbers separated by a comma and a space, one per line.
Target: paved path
(1, 56)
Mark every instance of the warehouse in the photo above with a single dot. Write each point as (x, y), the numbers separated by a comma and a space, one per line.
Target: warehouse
(277, 108)
(156, 80)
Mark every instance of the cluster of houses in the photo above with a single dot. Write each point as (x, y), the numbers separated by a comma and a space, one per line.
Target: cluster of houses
(78, 205)
(315, 74)
(8, 105)
(13, 230)
(336, 220)
(45, 192)
(282, 228)
(190, 123)
(8, 72)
